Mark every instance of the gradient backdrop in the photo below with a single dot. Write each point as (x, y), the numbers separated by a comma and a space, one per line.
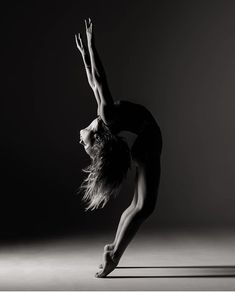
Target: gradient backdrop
(175, 57)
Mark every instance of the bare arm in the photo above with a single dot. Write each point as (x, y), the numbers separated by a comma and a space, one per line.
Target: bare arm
(98, 71)
(95, 73)
(87, 62)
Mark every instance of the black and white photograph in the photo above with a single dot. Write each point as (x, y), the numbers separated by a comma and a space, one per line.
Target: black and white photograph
(118, 146)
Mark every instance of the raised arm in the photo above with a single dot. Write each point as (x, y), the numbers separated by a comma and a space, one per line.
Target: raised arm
(99, 76)
(87, 62)
(95, 73)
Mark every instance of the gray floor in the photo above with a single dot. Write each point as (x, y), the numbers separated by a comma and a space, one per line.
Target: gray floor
(162, 260)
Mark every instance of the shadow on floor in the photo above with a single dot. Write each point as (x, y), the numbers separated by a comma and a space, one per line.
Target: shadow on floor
(179, 272)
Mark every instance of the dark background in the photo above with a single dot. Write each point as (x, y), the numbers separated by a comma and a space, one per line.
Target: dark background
(175, 57)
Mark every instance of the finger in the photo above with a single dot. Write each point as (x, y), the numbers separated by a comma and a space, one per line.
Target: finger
(79, 43)
(90, 24)
(80, 40)
(85, 23)
(89, 20)
(76, 40)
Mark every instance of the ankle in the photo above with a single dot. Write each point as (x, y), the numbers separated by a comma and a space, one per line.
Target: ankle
(115, 256)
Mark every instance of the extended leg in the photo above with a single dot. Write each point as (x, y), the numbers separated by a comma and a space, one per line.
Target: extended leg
(128, 211)
(110, 247)
(148, 180)
(129, 229)
(124, 216)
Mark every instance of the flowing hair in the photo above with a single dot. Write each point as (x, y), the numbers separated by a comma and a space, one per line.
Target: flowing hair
(108, 168)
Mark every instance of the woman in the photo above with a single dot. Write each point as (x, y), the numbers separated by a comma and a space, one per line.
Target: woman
(111, 157)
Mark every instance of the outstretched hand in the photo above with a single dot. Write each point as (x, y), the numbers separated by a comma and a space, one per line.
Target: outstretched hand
(89, 30)
(89, 35)
(79, 43)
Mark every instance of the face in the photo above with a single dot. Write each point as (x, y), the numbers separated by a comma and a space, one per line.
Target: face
(87, 136)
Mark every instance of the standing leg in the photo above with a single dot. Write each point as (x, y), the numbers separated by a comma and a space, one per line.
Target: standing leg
(124, 215)
(110, 247)
(148, 181)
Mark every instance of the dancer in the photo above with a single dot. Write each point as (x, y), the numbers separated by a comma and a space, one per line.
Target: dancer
(111, 156)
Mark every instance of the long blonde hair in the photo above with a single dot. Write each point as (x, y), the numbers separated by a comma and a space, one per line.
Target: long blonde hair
(107, 170)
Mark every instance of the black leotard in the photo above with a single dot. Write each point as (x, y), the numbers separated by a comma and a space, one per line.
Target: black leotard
(128, 116)
(135, 118)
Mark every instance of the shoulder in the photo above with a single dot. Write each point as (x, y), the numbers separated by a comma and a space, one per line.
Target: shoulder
(106, 113)
(122, 110)
(113, 115)
(109, 112)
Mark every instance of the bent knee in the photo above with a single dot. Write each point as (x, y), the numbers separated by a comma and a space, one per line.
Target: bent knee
(145, 210)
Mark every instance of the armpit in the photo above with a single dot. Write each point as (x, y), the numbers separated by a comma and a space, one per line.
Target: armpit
(109, 114)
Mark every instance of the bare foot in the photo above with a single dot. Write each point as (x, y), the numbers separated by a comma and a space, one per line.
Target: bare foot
(107, 247)
(108, 267)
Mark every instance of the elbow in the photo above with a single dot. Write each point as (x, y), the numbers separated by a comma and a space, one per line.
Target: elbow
(98, 79)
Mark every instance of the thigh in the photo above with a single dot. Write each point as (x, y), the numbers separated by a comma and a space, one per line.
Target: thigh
(148, 181)
(146, 152)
